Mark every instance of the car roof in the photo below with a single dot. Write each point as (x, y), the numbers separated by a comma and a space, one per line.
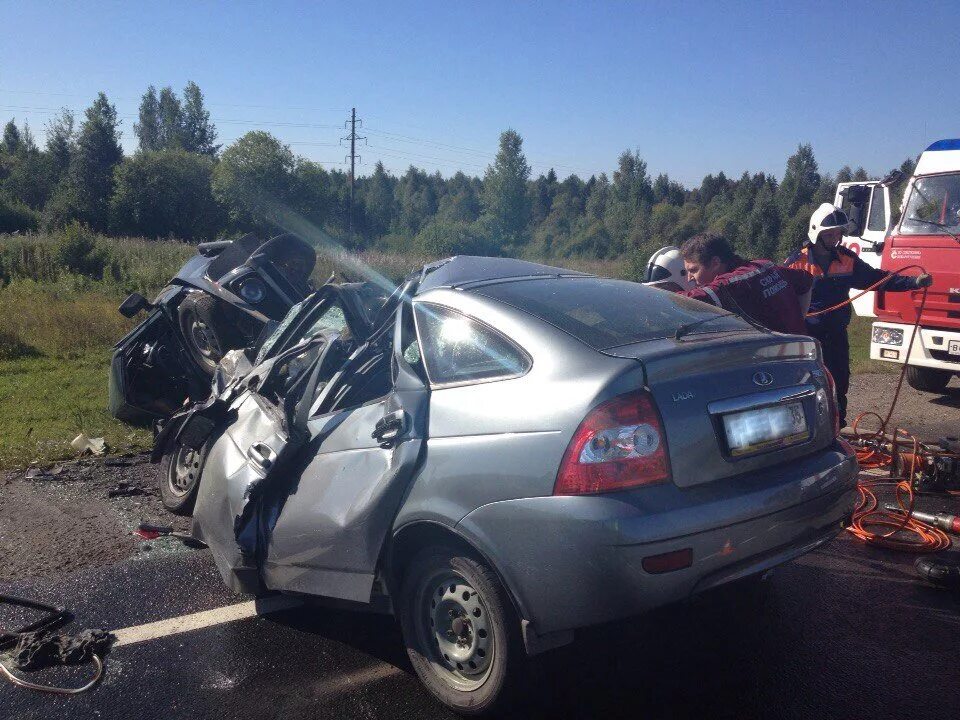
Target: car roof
(470, 270)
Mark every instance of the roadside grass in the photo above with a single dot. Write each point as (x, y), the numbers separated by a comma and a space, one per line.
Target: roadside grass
(55, 341)
(46, 401)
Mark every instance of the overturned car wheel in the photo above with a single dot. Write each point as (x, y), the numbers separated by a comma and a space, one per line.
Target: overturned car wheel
(180, 471)
(461, 634)
(201, 324)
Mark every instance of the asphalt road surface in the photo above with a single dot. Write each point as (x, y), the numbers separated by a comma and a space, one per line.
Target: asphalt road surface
(845, 632)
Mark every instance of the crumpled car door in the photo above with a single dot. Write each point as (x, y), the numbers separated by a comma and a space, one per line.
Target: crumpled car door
(308, 509)
(330, 524)
(242, 463)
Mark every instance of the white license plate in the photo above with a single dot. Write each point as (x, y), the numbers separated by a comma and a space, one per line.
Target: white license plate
(753, 431)
(953, 347)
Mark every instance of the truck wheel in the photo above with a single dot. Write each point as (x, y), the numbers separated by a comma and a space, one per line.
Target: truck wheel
(180, 469)
(461, 634)
(928, 379)
(199, 323)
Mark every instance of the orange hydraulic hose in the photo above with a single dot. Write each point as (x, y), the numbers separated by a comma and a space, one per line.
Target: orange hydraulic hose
(863, 292)
(891, 530)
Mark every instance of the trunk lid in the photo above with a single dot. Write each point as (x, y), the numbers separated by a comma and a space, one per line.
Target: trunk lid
(703, 378)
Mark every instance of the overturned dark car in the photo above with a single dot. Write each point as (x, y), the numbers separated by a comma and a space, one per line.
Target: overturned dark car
(504, 453)
(229, 296)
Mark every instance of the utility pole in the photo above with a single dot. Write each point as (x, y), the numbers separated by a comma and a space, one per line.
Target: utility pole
(352, 137)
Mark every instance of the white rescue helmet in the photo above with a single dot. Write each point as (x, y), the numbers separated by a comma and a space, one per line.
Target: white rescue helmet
(827, 217)
(667, 264)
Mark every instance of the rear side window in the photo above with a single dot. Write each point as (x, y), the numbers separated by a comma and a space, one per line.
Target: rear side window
(606, 313)
(459, 349)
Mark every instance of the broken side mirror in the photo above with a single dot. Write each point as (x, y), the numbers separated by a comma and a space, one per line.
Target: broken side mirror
(134, 303)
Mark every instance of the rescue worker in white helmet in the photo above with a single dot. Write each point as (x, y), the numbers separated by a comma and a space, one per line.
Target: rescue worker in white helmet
(665, 267)
(836, 270)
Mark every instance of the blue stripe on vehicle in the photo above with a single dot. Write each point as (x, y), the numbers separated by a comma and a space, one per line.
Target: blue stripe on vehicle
(945, 145)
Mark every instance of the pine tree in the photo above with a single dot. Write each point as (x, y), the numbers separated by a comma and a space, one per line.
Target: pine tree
(60, 142)
(379, 200)
(11, 137)
(147, 129)
(170, 115)
(800, 181)
(91, 169)
(506, 205)
(198, 134)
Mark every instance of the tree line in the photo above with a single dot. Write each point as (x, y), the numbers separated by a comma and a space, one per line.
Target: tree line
(181, 184)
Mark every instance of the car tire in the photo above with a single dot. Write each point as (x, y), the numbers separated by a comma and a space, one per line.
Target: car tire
(928, 379)
(180, 469)
(460, 630)
(201, 324)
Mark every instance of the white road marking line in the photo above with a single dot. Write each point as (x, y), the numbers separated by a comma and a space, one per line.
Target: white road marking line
(205, 619)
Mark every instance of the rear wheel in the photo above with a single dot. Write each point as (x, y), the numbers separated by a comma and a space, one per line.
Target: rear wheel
(180, 478)
(461, 634)
(928, 379)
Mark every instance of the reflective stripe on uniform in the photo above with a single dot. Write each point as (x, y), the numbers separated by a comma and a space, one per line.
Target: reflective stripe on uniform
(712, 294)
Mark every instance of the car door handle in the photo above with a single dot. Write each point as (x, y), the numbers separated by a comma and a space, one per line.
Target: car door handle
(390, 427)
(262, 455)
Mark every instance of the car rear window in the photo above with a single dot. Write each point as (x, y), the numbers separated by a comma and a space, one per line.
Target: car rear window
(605, 313)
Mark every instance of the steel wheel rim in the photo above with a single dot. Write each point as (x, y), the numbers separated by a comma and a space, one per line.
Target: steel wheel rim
(184, 471)
(454, 625)
(202, 339)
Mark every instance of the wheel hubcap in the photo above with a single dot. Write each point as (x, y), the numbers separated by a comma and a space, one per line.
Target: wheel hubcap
(184, 471)
(460, 632)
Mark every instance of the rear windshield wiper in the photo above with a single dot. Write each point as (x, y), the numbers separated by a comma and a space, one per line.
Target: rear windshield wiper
(685, 329)
(936, 224)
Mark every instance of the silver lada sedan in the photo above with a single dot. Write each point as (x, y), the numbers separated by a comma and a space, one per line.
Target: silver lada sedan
(515, 452)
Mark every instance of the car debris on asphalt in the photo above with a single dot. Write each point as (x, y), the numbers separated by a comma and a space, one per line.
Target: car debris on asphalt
(125, 489)
(87, 445)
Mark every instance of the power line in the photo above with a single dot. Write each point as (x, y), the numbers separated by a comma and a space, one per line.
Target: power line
(224, 121)
(417, 156)
(352, 137)
(214, 104)
(541, 162)
(385, 134)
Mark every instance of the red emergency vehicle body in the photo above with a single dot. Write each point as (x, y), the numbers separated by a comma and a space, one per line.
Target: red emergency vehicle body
(931, 211)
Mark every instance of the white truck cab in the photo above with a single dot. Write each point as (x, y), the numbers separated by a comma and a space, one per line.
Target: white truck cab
(867, 204)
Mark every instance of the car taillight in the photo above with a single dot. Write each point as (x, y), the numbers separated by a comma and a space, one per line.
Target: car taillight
(833, 401)
(621, 444)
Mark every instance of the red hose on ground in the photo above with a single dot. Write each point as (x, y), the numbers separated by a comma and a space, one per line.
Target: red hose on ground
(883, 528)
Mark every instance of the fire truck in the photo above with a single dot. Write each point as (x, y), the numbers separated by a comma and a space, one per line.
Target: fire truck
(927, 235)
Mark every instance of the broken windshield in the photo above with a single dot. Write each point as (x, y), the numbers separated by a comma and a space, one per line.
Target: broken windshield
(934, 203)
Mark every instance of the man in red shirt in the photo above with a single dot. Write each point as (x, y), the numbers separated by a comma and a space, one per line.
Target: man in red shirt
(772, 295)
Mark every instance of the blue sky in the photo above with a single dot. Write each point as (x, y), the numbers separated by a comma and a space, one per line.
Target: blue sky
(696, 87)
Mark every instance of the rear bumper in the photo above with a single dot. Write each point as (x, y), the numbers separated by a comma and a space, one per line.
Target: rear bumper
(930, 348)
(571, 562)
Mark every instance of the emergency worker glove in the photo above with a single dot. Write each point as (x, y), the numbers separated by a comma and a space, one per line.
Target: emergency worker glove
(924, 280)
